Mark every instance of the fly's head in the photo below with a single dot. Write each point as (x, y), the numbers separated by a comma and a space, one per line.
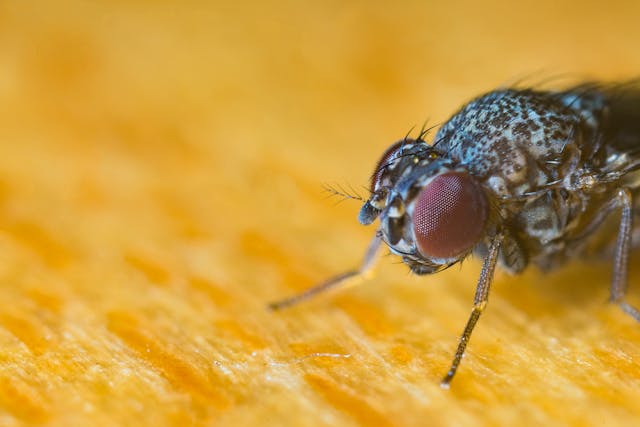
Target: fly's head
(432, 212)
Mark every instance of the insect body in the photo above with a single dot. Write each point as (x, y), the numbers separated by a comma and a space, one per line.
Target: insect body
(517, 177)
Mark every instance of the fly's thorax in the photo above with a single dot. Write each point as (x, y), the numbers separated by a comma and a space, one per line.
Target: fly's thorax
(519, 141)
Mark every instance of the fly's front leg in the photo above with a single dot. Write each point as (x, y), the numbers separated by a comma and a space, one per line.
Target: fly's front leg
(479, 303)
(621, 254)
(367, 265)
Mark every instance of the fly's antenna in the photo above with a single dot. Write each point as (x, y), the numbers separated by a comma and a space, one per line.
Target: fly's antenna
(338, 190)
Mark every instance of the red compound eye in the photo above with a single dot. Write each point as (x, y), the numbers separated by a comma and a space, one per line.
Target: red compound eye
(449, 215)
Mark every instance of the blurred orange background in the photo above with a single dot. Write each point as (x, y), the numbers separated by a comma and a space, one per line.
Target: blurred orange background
(161, 171)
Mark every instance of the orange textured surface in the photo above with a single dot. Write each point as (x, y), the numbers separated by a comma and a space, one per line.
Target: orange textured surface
(161, 171)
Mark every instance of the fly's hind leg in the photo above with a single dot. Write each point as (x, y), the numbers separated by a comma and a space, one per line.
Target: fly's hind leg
(621, 255)
(341, 279)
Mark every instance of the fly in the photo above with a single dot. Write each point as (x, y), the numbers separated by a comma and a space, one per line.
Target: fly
(517, 177)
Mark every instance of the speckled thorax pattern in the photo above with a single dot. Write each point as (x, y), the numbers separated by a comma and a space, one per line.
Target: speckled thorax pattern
(515, 139)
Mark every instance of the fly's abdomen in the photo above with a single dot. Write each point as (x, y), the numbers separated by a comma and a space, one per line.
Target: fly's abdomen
(610, 120)
(623, 122)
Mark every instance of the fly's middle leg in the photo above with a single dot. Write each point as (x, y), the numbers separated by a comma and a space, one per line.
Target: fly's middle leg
(621, 255)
